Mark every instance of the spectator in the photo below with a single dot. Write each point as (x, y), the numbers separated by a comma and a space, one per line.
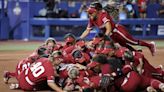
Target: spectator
(122, 13)
(82, 11)
(112, 10)
(63, 13)
(136, 10)
(130, 10)
(142, 5)
(74, 14)
(152, 10)
(161, 10)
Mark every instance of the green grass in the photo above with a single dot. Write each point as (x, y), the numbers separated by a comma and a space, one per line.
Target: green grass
(160, 43)
(33, 45)
(19, 46)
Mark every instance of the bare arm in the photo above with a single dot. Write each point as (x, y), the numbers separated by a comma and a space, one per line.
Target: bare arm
(55, 87)
(108, 28)
(85, 33)
(140, 66)
(80, 66)
(161, 11)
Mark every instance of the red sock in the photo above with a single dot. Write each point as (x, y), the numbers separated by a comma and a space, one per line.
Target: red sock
(142, 43)
(12, 74)
(155, 83)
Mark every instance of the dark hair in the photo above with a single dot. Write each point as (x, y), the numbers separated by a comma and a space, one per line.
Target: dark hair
(100, 58)
(97, 5)
(50, 39)
(69, 35)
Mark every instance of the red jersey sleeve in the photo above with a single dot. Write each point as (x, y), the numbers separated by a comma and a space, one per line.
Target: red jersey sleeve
(50, 72)
(105, 17)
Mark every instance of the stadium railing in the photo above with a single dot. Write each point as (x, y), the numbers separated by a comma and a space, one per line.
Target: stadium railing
(144, 25)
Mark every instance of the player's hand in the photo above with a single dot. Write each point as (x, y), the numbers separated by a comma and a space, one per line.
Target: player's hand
(90, 45)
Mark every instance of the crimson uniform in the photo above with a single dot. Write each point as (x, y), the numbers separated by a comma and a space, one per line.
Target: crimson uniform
(22, 65)
(39, 72)
(119, 33)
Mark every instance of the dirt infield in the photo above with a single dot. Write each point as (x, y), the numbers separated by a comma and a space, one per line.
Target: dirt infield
(9, 59)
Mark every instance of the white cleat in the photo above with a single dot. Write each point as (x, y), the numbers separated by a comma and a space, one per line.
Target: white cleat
(6, 76)
(151, 89)
(161, 67)
(161, 86)
(153, 48)
(14, 86)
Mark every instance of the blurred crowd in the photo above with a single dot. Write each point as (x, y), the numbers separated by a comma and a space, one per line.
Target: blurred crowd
(125, 8)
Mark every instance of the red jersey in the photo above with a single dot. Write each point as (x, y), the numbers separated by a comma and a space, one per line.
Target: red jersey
(106, 69)
(39, 72)
(142, 5)
(22, 65)
(102, 18)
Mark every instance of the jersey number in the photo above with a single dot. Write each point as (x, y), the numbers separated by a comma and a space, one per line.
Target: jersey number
(37, 69)
(25, 66)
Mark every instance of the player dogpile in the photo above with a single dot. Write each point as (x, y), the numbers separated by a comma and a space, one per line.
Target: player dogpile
(106, 63)
(82, 66)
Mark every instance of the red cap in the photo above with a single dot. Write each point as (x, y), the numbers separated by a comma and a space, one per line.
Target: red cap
(69, 39)
(106, 50)
(99, 50)
(80, 43)
(96, 40)
(120, 52)
(92, 64)
(91, 10)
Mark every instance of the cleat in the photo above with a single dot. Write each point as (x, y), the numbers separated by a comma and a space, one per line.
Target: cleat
(151, 89)
(161, 86)
(6, 76)
(153, 48)
(14, 86)
(161, 67)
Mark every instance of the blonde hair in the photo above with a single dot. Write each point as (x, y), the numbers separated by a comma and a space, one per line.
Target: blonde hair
(50, 39)
(54, 54)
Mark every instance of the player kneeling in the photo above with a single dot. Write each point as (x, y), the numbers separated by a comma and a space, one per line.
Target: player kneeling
(38, 74)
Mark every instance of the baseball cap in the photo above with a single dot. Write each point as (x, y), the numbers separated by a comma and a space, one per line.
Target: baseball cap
(80, 43)
(120, 52)
(107, 49)
(99, 50)
(92, 64)
(69, 40)
(91, 10)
